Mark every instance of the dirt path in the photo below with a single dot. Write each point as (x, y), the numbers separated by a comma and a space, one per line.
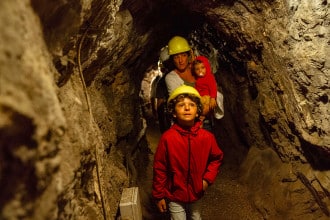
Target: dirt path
(226, 199)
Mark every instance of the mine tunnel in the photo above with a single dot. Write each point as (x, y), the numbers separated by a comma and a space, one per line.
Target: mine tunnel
(76, 128)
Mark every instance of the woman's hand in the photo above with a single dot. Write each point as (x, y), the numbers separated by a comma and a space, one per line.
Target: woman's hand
(213, 103)
(161, 205)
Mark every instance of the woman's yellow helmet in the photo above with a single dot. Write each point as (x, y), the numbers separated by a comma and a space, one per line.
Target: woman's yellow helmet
(178, 45)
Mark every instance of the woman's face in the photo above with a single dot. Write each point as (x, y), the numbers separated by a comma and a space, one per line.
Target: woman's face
(185, 112)
(181, 61)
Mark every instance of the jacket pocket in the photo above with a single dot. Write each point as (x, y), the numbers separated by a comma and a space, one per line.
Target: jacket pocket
(198, 187)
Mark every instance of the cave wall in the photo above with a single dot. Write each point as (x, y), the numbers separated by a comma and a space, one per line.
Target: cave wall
(65, 132)
(70, 114)
(32, 122)
(276, 53)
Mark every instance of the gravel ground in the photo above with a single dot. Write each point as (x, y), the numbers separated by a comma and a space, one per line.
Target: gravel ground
(226, 199)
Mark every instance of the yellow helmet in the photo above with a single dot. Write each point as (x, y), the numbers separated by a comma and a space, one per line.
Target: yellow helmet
(178, 45)
(182, 90)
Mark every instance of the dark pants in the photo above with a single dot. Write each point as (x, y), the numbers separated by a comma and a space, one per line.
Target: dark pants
(208, 124)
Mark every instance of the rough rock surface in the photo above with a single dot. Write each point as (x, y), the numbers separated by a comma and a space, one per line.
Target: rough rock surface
(71, 114)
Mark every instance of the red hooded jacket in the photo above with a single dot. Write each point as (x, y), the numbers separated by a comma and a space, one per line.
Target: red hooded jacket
(182, 160)
(206, 85)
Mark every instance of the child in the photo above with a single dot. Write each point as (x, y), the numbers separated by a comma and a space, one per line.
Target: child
(205, 84)
(187, 158)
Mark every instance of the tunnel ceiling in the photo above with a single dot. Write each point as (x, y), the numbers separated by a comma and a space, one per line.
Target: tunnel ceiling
(70, 103)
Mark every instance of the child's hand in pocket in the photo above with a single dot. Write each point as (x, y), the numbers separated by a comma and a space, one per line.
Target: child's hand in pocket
(205, 185)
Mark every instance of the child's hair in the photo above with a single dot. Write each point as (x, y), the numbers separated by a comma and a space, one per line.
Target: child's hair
(196, 62)
(173, 102)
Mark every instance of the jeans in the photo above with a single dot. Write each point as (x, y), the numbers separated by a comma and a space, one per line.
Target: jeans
(184, 211)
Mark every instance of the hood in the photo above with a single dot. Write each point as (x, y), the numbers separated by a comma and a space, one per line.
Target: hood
(192, 130)
(206, 63)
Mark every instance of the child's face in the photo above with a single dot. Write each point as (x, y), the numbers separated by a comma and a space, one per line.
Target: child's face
(200, 69)
(185, 112)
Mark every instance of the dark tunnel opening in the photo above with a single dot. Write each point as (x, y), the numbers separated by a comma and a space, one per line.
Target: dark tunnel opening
(233, 82)
(176, 18)
(232, 78)
(230, 73)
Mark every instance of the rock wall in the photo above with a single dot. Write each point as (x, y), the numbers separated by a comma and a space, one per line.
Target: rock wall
(64, 140)
(278, 72)
(32, 122)
(71, 121)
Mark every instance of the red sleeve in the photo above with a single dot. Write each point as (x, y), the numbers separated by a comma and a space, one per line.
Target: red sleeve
(159, 171)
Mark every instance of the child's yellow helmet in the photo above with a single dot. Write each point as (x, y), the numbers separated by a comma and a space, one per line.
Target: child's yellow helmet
(182, 90)
(178, 45)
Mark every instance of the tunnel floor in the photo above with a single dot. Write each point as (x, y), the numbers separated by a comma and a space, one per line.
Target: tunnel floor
(226, 199)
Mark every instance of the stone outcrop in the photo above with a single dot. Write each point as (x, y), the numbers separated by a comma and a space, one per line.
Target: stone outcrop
(70, 112)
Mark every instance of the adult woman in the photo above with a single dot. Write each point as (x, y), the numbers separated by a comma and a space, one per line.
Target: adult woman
(181, 55)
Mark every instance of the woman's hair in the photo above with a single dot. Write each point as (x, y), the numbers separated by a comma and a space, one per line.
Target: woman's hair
(187, 52)
(173, 102)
